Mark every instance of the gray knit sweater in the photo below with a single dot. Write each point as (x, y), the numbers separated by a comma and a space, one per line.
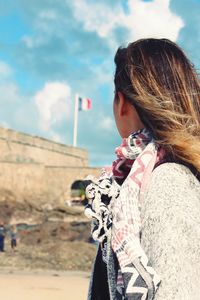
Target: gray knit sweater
(171, 231)
(170, 235)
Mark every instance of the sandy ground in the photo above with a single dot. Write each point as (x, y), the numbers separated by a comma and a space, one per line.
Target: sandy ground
(43, 286)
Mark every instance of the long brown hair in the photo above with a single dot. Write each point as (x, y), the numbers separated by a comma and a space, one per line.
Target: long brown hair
(159, 80)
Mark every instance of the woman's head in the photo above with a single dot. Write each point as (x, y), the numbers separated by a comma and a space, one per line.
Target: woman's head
(156, 77)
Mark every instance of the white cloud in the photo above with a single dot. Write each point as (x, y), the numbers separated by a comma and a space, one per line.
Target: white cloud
(5, 70)
(56, 137)
(102, 72)
(33, 42)
(152, 19)
(17, 111)
(53, 104)
(9, 92)
(145, 19)
(107, 123)
(48, 14)
(4, 124)
(97, 17)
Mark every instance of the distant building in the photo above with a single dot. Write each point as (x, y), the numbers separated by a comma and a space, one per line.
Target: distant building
(39, 170)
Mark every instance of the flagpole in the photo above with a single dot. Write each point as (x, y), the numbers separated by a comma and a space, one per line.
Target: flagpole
(75, 120)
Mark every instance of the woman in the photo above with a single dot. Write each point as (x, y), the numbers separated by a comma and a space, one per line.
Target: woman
(147, 214)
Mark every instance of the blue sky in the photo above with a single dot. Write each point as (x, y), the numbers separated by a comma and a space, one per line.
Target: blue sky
(52, 49)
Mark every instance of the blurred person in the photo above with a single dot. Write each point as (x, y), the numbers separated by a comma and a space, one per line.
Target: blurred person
(2, 236)
(146, 215)
(13, 237)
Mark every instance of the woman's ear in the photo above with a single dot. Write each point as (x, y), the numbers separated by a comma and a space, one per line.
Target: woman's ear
(126, 116)
(122, 104)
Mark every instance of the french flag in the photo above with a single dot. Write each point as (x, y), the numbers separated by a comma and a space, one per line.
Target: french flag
(84, 104)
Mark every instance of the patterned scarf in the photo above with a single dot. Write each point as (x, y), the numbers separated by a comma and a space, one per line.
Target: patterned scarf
(115, 206)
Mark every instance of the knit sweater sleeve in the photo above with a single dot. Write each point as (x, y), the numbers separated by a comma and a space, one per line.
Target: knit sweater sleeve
(171, 231)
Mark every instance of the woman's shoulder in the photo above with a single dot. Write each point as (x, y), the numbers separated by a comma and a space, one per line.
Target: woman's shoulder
(173, 175)
(171, 166)
(170, 230)
(172, 186)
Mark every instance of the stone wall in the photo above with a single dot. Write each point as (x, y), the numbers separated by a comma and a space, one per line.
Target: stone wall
(37, 170)
(22, 148)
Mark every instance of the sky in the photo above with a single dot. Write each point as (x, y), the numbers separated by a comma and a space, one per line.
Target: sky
(51, 50)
